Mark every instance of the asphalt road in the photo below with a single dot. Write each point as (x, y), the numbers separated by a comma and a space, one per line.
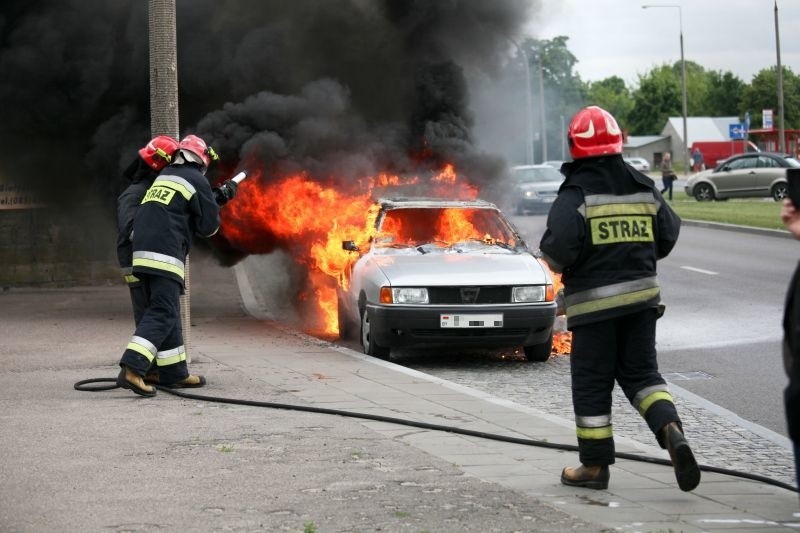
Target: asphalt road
(720, 336)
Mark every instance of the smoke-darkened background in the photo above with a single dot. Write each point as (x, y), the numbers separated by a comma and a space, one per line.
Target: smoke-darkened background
(337, 88)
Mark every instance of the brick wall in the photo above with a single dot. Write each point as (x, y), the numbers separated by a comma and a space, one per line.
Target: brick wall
(47, 247)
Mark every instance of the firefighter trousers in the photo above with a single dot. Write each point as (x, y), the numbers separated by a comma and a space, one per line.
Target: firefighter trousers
(158, 338)
(620, 349)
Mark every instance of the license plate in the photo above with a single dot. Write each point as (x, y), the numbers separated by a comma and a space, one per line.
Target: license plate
(472, 321)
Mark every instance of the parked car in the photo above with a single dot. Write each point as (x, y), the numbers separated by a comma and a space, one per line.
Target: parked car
(639, 163)
(535, 188)
(760, 174)
(446, 273)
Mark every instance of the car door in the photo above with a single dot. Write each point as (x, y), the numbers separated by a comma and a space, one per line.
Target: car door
(768, 170)
(736, 177)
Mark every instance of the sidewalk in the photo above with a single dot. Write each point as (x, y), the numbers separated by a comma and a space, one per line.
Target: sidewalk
(79, 461)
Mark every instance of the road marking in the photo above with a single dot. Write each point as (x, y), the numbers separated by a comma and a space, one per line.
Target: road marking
(700, 270)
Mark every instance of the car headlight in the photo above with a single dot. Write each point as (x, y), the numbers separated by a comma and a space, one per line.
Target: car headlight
(404, 295)
(530, 194)
(530, 293)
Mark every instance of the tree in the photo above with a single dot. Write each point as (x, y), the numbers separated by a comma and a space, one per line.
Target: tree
(724, 95)
(762, 94)
(612, 95)
(657, 98)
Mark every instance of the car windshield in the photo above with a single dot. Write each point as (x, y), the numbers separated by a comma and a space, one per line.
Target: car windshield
(536, 175)
(454, 229)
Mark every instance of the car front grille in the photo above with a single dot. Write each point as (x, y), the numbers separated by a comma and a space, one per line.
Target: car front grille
(472, 332)
(492, 294)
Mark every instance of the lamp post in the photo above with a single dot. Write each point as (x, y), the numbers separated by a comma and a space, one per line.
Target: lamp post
(779, 73)
(528, 121)
(684, 147)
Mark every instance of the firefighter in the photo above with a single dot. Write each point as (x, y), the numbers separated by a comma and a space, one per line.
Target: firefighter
(179, 204)
(152, 158)
(606, 230)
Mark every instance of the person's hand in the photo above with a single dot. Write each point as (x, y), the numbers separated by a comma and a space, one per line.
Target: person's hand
(225, 192)
(790, 217)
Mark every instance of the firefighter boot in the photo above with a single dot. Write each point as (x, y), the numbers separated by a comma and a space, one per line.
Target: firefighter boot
(590, 477)
(189, 382)
(686, 470)
(128, 379)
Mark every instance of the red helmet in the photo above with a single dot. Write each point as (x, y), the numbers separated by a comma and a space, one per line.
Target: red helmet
(593, 131)
(159, 151)
(198, 147)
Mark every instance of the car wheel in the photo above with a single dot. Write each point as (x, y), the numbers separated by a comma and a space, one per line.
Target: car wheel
(368, 343)
(345, 324)
(780, 191)
(539, 353)
(703, 192)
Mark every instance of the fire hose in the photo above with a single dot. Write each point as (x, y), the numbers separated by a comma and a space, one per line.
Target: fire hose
(82, 386)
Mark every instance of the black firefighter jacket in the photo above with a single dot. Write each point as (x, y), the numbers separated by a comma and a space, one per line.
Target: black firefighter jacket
(605, 231)
(178, 205)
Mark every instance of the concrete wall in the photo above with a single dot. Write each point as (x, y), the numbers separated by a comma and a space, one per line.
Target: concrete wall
(46, 247)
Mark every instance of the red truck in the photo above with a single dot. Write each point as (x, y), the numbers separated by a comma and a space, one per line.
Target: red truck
(716, 151)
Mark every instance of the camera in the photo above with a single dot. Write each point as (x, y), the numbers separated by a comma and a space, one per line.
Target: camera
(793, 180)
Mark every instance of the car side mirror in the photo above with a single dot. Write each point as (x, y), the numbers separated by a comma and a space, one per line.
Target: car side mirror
(350, 246)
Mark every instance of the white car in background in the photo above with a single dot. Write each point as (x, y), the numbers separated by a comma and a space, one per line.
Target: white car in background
(445, 273)
(639, 163)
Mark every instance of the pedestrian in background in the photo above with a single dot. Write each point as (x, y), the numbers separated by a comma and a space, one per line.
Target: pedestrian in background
(605, 232)
(791, 340)
(179, 204)
(667, 174)
(697, 160)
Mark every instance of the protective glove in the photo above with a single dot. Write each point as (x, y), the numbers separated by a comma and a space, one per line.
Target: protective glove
(225, 192)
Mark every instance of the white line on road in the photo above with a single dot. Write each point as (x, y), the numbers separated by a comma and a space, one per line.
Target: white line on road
(700, 270)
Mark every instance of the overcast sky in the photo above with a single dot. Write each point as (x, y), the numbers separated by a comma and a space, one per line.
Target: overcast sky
(618, 37)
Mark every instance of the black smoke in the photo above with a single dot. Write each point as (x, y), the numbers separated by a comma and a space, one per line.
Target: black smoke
(335, 88)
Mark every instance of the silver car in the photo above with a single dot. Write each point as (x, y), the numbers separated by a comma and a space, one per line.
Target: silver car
(758, 174)
(535, 188)
(445, 273)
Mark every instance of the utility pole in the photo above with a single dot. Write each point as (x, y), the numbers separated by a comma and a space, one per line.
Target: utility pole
(781, 128)
(542, 118)
(164, 103)
(528, 116)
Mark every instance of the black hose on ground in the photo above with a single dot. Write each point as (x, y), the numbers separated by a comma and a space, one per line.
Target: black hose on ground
(82, 386)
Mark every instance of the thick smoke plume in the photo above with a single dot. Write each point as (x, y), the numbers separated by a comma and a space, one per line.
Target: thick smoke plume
(338, 89)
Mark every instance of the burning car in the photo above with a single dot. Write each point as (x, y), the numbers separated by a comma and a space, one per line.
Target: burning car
(445, 272)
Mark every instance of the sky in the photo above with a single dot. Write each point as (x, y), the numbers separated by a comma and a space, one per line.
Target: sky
(618, 37)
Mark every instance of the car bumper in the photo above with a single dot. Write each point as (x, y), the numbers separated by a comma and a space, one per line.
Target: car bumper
(523, 325)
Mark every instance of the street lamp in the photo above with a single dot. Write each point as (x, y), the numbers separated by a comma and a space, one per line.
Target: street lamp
(684, 148)
(529, 151)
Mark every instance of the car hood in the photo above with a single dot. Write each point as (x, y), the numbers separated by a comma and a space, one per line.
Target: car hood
(461, 269)
(703, 174)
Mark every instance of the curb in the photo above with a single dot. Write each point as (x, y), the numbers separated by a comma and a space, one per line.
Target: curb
(741, 229)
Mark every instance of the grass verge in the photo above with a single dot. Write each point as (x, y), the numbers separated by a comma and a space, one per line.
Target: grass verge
(754, 212)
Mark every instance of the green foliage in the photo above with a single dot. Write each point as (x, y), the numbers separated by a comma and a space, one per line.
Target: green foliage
(758, 213)
(657, 98)
(612, 95)
(762, 93)
(724, 95)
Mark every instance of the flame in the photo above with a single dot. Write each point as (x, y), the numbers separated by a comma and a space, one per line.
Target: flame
(562, 338)
(310, 220)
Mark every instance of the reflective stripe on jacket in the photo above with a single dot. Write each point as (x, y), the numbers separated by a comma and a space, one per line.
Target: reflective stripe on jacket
(179, 204)
(605, 231)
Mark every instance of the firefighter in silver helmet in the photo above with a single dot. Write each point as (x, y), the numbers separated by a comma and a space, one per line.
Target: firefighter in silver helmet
(605, 232)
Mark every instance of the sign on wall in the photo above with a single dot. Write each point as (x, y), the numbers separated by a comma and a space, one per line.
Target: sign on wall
(17, 196)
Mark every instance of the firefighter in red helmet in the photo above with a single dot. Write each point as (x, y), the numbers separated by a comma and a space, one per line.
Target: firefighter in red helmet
(178, 204)
(151, 158)
(605, 232)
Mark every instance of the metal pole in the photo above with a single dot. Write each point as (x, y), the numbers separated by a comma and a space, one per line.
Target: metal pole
(529, 121)
(684, 106)
(542, 120)
(685, 145)
(781, 128)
